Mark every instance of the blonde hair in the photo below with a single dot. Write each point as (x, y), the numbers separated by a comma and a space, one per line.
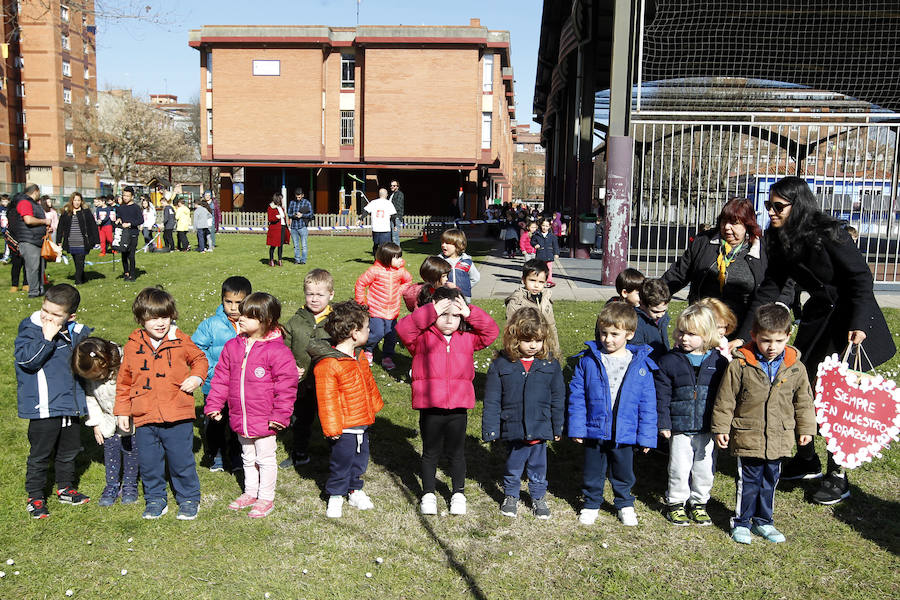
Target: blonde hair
(319, 276)
(525, 325)
(722, 313)
(699, 320)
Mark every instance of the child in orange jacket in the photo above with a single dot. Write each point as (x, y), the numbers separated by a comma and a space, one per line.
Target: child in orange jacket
(381, 288)
(348, 400)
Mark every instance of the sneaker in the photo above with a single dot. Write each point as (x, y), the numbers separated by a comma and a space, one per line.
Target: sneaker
(799, 468)
(109, 496)
(301, 459)
(540, 509)
(458, 504)
(286, 463)
(388, 363)
(217, 466)
(369, 357)
(14, 289)
(129, 494)
(37, 507)
(741, 535)
(359, 499)
(335, 507)
(510, 506)
(699, 515)
(627, 516)
(588, 516)
(428, 506)
(768, 532)
(676, 515)
(242, 502)
(155, 509)
(835, 488)
(187, 510)
(70, 495)
(261, 509)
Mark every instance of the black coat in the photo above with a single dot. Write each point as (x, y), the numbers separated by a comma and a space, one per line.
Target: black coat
(520, 405)
(89, 234)
(840, 286)
(684, 402)
(549, 246)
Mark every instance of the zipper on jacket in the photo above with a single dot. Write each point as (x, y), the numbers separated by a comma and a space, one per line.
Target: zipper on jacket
(243, 400)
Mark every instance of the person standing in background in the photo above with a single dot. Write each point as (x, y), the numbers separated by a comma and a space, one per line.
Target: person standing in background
(398, 201)
(168, 224)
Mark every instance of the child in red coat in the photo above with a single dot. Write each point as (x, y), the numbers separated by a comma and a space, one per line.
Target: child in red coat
(442, 337)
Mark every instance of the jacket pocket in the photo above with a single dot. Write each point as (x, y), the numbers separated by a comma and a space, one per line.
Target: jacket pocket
(746, 435)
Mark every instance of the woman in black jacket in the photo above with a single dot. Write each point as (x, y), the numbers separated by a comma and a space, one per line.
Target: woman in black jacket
(728, 263)
(815, 251)
(77, 232)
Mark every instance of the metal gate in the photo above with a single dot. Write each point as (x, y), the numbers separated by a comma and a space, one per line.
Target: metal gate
(687, 165)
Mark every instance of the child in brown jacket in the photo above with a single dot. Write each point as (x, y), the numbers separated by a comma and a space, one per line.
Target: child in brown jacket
(764, 400)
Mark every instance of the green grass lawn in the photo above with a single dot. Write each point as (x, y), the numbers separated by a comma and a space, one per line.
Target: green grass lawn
(850, 550)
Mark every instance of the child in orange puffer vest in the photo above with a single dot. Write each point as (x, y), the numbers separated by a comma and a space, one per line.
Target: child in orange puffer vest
(381, 288)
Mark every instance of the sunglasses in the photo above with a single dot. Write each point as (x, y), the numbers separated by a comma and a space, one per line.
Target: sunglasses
(776, 207)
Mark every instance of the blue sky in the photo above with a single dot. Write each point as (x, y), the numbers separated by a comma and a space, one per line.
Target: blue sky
(155, 58)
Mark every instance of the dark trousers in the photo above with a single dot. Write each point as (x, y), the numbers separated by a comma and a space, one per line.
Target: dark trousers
(272, 253)
(305, 411)
(148, 235)
(349, 459)
(60, 434)
(120, 457)
(382, 329)
(167, 239)
(510, 246)
(173, 443)
(522, 457)
(219, 439)
(18, 268)
(128, 266)
(78, 259)
(756, 482)
(183, 243)
(602, 459)
(201, 239)
(379, 238)
(443, 432)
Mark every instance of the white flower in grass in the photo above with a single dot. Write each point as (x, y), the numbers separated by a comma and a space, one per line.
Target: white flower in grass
(124, 571)
(369, 575)
(10, 561)
(69, 592)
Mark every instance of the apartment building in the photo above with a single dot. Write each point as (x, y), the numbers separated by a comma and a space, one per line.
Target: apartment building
(49, 73)
(342, 111)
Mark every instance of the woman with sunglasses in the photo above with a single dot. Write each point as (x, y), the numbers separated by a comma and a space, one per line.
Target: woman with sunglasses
(728, 263)
(815, 250)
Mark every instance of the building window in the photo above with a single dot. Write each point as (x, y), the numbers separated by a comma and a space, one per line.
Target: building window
(64, 13)
(65, 41)
(20, 118)
(70, 148)
(20, 62)
(20, 90)
(67, 69)
(487, 78)
(346, 127)
(87, 47)
(520, 147)
(87, 100)
(88, 150)
(209, 130)
(266, 68)
(67, 96)
(68, 123)
(485, 131)
(348, 71)
(24, 144)
(87, 73)
(209, 70)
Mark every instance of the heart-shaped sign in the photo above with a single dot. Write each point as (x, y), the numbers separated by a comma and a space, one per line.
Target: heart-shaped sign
(858, 414)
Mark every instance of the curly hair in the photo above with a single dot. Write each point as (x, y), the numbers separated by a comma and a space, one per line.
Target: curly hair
(344, 319)
(526, 325)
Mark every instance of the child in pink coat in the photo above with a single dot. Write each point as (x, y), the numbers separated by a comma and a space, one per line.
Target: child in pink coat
(443, 336)
(257, 376)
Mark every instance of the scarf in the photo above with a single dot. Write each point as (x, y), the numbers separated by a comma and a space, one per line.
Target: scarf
(727, 254)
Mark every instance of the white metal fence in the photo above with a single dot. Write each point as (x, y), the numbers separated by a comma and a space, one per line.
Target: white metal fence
(687, 166)
(333, 223)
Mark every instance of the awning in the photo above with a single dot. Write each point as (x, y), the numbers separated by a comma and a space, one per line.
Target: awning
(312, 165)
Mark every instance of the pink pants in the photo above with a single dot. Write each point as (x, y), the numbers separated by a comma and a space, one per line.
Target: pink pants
(550, 269)
(260, 466)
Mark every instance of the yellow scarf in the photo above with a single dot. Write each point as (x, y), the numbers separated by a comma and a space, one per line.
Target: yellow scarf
(724, 260)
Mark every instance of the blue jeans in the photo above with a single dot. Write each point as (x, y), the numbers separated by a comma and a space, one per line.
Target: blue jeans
(348, 462)
(379, 238)
(298, 236)
(382, 328)
(395, 232)
(600, 457)
(173, 443)
(532, 457)
(212, 236)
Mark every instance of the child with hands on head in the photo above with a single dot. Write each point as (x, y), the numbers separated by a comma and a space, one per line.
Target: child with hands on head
(97, 361)
(257, 377)
(442, 337)
(161, 367)
(434, 273)
(524, 404)
(686, 385)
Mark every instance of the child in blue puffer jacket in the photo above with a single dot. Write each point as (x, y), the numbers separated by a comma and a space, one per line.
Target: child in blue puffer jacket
(686, 385)
(210, 337)
(612, 409)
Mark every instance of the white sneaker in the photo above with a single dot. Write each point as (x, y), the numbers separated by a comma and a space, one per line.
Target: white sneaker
(588, 516)
(429, 504)
(335, 507)
(359, 499)
(627, 516)
(457, 504)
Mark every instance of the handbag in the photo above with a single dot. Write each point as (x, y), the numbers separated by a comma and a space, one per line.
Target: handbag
(124, 239)
(49, 250)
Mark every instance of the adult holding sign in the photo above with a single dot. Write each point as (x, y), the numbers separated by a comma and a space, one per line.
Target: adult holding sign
(815, 251)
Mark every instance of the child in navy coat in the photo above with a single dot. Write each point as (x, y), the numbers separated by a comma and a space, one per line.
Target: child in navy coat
(653, 317)
(612, 409)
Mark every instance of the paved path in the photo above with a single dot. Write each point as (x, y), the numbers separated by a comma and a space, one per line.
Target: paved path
(576, 279)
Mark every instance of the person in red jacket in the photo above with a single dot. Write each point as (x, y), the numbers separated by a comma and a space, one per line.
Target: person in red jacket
(348, 400)
(381, 288)
(443, 336)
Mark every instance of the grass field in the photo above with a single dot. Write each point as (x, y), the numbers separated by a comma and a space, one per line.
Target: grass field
(847, 551)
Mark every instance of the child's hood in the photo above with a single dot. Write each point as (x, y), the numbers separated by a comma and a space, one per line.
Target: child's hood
(139, 337)
(382, 267)
(749, 350)
(639, 352)
(273, 335)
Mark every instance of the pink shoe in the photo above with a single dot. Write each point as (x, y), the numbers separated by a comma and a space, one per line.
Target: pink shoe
(369, 357)
(261, 509)
(388, 363)
(242, 502)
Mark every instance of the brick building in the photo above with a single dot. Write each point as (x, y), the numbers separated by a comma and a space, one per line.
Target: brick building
(528, 167)
(49, 71)
(344, 108)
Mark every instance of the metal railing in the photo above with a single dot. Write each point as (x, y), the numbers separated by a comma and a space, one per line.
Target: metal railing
(333, 223)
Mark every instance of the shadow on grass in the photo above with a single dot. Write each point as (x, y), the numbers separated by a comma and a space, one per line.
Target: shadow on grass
(872, 517)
